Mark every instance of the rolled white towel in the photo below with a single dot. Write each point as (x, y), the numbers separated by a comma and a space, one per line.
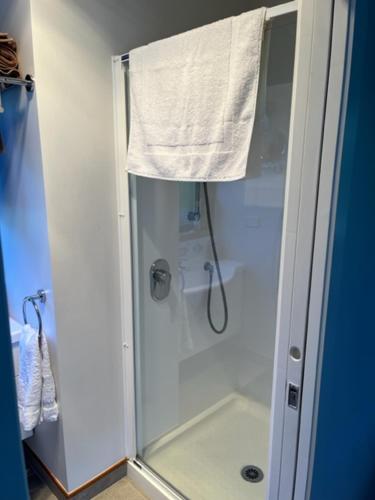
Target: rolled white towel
(36, 386)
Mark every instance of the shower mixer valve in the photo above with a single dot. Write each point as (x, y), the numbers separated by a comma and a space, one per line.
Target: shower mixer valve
(160, 280)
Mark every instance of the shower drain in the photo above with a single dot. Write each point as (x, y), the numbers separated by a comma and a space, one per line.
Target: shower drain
(252, 473)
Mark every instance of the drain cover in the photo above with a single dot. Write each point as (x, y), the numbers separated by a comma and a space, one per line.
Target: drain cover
(252, 473)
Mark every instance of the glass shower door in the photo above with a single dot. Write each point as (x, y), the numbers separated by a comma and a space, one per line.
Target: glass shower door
(204, 368)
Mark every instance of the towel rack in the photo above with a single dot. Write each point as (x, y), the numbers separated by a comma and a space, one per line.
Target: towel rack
(8, 82)
(40, 296)
(26, 82)
(271, 13)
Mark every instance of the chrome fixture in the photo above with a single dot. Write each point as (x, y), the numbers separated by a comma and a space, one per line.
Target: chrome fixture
(160, 280)
(40, 296)
(195, 215)
(26, 82)
(271, 14)
(252, 473)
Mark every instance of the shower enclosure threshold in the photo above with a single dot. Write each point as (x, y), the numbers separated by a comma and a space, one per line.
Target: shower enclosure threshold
(191, 456)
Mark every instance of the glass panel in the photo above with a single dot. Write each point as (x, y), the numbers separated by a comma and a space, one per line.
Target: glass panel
(189, 197)
(203, 398)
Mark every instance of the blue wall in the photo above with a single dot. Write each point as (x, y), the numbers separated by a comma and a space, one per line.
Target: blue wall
(344, 467)
(12, 471)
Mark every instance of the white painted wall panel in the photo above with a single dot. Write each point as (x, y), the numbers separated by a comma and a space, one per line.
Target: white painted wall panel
(23, 214)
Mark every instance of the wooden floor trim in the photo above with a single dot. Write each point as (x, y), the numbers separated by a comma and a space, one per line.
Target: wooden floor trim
(58, 484)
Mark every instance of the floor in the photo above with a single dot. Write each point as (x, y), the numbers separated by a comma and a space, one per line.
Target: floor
(203, 458)
(122, 490)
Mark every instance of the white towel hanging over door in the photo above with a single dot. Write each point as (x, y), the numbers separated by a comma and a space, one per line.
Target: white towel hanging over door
(193, 100)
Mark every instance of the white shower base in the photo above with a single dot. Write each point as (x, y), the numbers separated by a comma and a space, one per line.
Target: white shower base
(203, 458)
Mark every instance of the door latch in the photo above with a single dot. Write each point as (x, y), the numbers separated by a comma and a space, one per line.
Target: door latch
(293, 396)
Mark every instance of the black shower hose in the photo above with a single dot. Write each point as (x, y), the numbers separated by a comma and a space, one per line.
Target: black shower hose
(208, 267)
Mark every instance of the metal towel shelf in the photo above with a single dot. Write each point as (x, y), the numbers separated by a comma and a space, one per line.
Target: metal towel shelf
(26, 82)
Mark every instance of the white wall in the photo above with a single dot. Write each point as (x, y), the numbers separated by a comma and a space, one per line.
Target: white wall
(73, 73)
(23, 215)
(73, 41)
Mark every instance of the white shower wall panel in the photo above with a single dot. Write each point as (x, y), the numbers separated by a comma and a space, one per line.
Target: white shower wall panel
(248, 215)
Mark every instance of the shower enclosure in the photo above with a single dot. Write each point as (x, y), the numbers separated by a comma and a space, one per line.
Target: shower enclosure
(203, 397)
(213, 340)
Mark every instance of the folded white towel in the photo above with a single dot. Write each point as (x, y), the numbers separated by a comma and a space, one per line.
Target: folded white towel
(193, 100)
(35, 385)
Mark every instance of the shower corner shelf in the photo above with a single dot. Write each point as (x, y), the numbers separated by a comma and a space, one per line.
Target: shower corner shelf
(27, 82)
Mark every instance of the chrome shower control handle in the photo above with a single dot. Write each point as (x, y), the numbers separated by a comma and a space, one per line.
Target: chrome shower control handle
(160, 280)
(161, 276)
